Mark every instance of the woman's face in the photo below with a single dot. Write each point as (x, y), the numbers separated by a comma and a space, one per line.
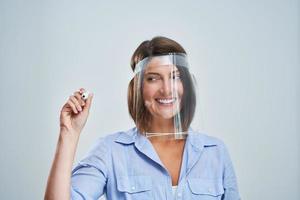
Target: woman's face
(162, 89)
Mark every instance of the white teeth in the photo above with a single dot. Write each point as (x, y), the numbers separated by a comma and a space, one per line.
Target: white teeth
(166, 101)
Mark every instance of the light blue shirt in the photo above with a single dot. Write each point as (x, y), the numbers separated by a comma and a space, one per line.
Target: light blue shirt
(125, 166)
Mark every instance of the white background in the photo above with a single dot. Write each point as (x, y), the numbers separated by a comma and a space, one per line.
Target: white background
(245, 55)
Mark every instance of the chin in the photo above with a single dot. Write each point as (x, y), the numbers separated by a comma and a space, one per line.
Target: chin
(167, 115)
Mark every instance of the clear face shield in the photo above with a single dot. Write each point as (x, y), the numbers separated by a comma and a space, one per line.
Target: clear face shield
(164, 96)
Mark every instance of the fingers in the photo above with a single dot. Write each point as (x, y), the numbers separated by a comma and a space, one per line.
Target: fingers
(88, 102)
(77, 103)
(79, 98)
(72, 105)
(81, 90)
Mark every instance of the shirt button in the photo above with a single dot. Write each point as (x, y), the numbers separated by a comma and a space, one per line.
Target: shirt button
(179, 194)
(133, 188)
(210, 189)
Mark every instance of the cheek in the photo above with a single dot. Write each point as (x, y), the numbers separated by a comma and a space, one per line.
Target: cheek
(148, 92)
(180, 90)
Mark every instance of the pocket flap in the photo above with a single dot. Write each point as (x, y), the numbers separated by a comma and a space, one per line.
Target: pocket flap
(213, 187)
(134, 184)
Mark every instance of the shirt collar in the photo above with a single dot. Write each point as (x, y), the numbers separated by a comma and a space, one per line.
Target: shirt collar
(199, 140)
(196, 139)
(127, 137)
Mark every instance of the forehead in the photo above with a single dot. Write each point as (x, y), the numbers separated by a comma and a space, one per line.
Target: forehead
(160, 64)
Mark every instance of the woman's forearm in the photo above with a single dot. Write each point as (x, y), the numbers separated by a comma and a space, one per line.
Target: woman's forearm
(59, 180)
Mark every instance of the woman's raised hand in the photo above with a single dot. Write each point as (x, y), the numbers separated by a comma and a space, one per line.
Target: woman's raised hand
(75, 112)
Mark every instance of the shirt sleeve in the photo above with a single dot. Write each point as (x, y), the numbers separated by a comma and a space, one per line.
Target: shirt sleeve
(89, 177)
(229, 178)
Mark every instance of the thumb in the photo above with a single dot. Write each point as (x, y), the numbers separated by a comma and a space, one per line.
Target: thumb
(88, 102)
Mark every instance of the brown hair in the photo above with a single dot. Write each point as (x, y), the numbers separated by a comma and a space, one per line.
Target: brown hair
(138, 111)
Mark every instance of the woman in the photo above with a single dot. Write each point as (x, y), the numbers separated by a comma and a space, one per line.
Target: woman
(161, 158)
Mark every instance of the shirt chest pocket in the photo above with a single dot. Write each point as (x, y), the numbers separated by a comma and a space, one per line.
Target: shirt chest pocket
(135, 187)
(205, 189)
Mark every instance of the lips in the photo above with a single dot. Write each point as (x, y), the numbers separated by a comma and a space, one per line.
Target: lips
(165, 101)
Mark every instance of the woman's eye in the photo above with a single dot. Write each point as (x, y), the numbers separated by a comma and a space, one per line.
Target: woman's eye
(152, 78)
(176, 77)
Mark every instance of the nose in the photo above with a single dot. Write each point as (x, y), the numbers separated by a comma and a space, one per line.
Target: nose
(166, 88)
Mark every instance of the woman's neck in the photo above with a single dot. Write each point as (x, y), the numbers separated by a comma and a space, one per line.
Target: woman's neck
(161, 126)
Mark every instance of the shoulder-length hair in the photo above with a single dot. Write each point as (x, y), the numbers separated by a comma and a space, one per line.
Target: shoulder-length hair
(138, 111)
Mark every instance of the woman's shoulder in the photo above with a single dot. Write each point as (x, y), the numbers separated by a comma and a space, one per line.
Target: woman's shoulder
(104, 144)
(205, 139)
(126, 137)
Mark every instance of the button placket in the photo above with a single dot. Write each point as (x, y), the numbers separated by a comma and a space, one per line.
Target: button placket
(179, 192)
(179, 195)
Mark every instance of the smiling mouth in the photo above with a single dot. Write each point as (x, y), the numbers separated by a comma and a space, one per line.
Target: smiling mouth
(165, 101)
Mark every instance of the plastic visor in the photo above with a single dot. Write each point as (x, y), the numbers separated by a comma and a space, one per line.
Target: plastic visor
(164, 96)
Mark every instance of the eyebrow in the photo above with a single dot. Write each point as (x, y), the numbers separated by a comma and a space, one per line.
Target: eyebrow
(155, 73)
